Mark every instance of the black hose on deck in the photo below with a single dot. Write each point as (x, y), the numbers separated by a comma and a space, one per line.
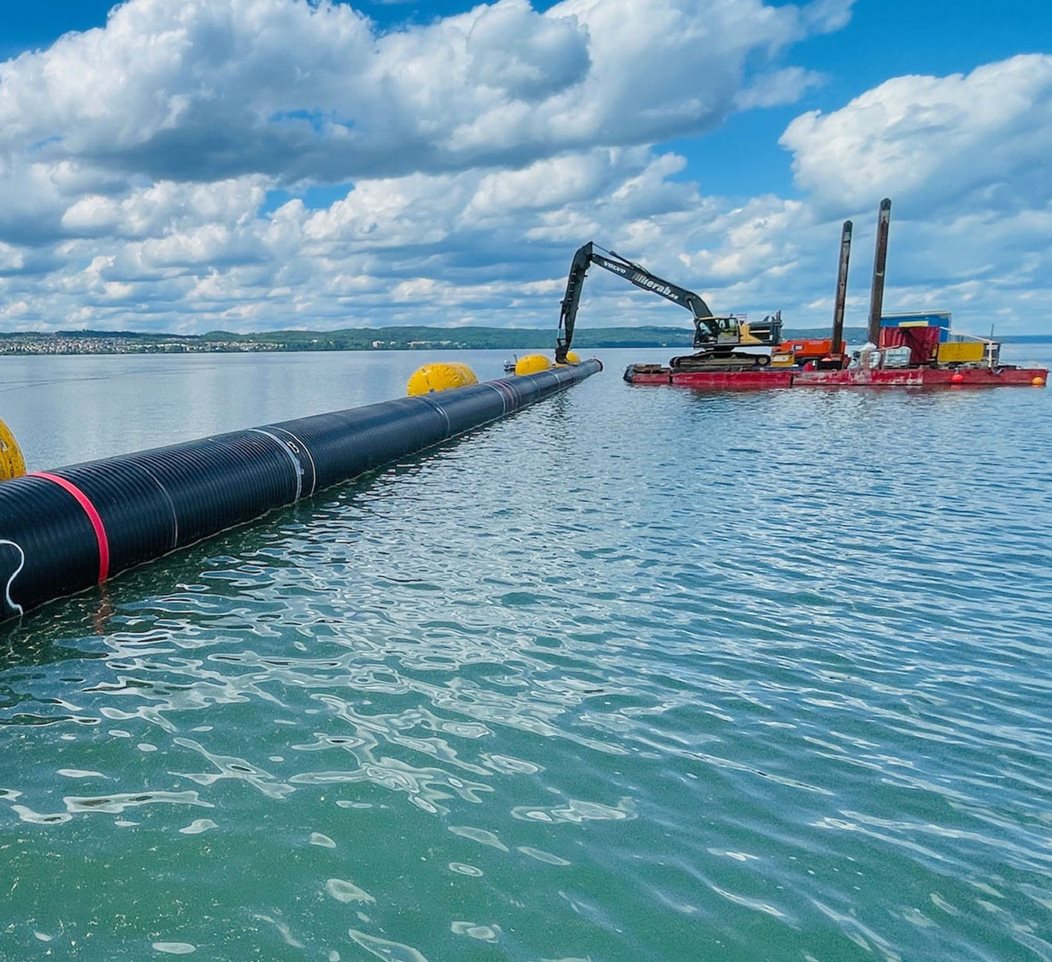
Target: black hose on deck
(66, 530)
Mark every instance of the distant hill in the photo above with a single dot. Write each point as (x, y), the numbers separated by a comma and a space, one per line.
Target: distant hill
(463, 338)
(481, 338)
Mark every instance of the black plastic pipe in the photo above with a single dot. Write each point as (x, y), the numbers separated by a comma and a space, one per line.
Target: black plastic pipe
(69, 529)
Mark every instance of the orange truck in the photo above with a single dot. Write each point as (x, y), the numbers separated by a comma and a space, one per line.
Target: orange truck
(803, 349)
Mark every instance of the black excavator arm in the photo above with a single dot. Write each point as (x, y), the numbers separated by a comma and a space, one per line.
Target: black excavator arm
(590, 254)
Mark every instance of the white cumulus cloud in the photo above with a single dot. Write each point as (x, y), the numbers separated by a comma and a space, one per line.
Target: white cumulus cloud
(982, 140)
(209, 89)
(176, 169)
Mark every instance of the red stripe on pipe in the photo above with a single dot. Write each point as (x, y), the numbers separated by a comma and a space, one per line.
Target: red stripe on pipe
(93, 516)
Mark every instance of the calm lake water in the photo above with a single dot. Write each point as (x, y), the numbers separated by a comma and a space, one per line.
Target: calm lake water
(637, 674)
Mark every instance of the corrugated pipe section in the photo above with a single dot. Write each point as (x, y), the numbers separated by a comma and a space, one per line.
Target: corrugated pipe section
(68, 529)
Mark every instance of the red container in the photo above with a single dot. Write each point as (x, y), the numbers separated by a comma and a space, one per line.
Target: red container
(923, 342)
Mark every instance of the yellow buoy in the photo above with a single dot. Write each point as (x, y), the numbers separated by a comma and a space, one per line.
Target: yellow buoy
(532, 364)
(1038, 381)
(12, 464)
(441, 376)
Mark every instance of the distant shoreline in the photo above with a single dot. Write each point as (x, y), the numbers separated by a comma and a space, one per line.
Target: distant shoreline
(380, 339)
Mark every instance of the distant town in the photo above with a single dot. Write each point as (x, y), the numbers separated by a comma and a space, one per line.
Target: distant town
(79, 342)
(372, 339)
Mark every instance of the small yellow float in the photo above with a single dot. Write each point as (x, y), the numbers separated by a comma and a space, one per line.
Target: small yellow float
(532, 364)
(12, 464)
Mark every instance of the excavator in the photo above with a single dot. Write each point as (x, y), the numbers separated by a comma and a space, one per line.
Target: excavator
(723, 343)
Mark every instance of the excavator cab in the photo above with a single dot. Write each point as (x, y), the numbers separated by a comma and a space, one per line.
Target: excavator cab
(728, 330)
(734, 330)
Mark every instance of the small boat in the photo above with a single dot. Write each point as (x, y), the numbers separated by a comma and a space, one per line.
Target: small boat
(509, 366)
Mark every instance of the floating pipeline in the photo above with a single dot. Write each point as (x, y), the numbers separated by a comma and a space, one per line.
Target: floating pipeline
(65, 530)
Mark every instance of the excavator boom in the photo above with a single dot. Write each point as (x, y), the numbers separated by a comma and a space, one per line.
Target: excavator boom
(722, 341)
(589, 254)
(641, 277)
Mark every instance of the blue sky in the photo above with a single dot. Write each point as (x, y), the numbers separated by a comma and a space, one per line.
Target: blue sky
(253, 164)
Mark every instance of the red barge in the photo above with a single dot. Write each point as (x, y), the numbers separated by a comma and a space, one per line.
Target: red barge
(767, 378)
(915, 350)
(902, 350)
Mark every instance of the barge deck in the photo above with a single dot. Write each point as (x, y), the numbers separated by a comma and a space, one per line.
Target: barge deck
(770, 378)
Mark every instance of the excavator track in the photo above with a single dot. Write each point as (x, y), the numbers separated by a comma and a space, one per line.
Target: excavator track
(734, 361)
